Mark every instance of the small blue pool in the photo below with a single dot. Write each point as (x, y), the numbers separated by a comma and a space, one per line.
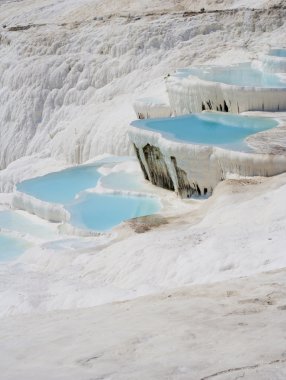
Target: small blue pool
(11, 247)
(240, 75)
(281, 53)
(93, 211)
(102, 212)
(61, 187)
(218, 129)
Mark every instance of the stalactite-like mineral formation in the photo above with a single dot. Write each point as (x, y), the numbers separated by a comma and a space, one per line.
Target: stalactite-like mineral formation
(190, 168)
(232, 89)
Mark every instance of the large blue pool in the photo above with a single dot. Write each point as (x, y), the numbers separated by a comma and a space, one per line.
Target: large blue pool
(218, 129)
(240, 75)
(93, 211)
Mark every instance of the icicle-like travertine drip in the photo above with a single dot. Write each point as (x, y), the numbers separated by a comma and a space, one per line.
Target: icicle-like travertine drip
(197, 169)
(147, 108)
(48, 211)
(191, 94)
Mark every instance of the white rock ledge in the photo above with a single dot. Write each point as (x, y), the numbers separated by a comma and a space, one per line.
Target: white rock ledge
(49, 211)
(191, 94)
(146, 108)
(275, 61)
(191, 169)
(274, 64)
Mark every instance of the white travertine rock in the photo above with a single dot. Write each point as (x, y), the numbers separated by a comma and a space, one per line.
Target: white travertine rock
(48, 211)
(192, 94)
(147, 108)
(274, 64)
(205, 166)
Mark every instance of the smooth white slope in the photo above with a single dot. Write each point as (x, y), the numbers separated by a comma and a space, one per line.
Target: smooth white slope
(226, 331)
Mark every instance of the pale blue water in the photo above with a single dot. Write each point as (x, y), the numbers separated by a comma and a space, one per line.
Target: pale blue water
(92, 211)
(278, 53)
(102, 212)
(10, 220)
(11, 247)
(218, 129)
(241, 75)
(61, 187)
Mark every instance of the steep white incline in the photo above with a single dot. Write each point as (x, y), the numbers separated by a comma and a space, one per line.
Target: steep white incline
(69, 77)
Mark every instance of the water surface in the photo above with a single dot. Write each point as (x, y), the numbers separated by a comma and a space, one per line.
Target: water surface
(102, 212)
(61, 187)
(240, 75)
(11, 247)
(92, 211)
(218, 129)
(281, 53)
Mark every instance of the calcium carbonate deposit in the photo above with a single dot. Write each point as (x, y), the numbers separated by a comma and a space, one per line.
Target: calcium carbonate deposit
(192, 154)
(176, 288)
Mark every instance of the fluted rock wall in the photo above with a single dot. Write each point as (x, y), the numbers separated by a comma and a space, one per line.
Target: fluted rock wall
(196, 169)
(191, 94)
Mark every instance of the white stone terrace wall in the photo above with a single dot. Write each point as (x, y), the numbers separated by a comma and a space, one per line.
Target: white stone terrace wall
(190, 168)
(191, 94)
(147, 108)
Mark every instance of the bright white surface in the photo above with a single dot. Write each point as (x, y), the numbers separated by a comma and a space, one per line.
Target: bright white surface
(208, 241)
(67, 94)
(206, 165)
(224, 331)
(67, 86)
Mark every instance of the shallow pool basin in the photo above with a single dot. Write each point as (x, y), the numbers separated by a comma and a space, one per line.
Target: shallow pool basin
(235, 89)
(61, 187)
(102, 212)
(239, 75)
(11, 247)
(192, 154)
(281, 53)
(218, 129)
(92, 210)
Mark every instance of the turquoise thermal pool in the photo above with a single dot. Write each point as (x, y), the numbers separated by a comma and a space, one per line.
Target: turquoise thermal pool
(61, 187)
(11, 247)
(93, 211)
(222, 130)
(281, 53)
(240, 75)
(102, 212)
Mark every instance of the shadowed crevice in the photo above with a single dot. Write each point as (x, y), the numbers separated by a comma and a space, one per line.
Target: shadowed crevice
(158, 170)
